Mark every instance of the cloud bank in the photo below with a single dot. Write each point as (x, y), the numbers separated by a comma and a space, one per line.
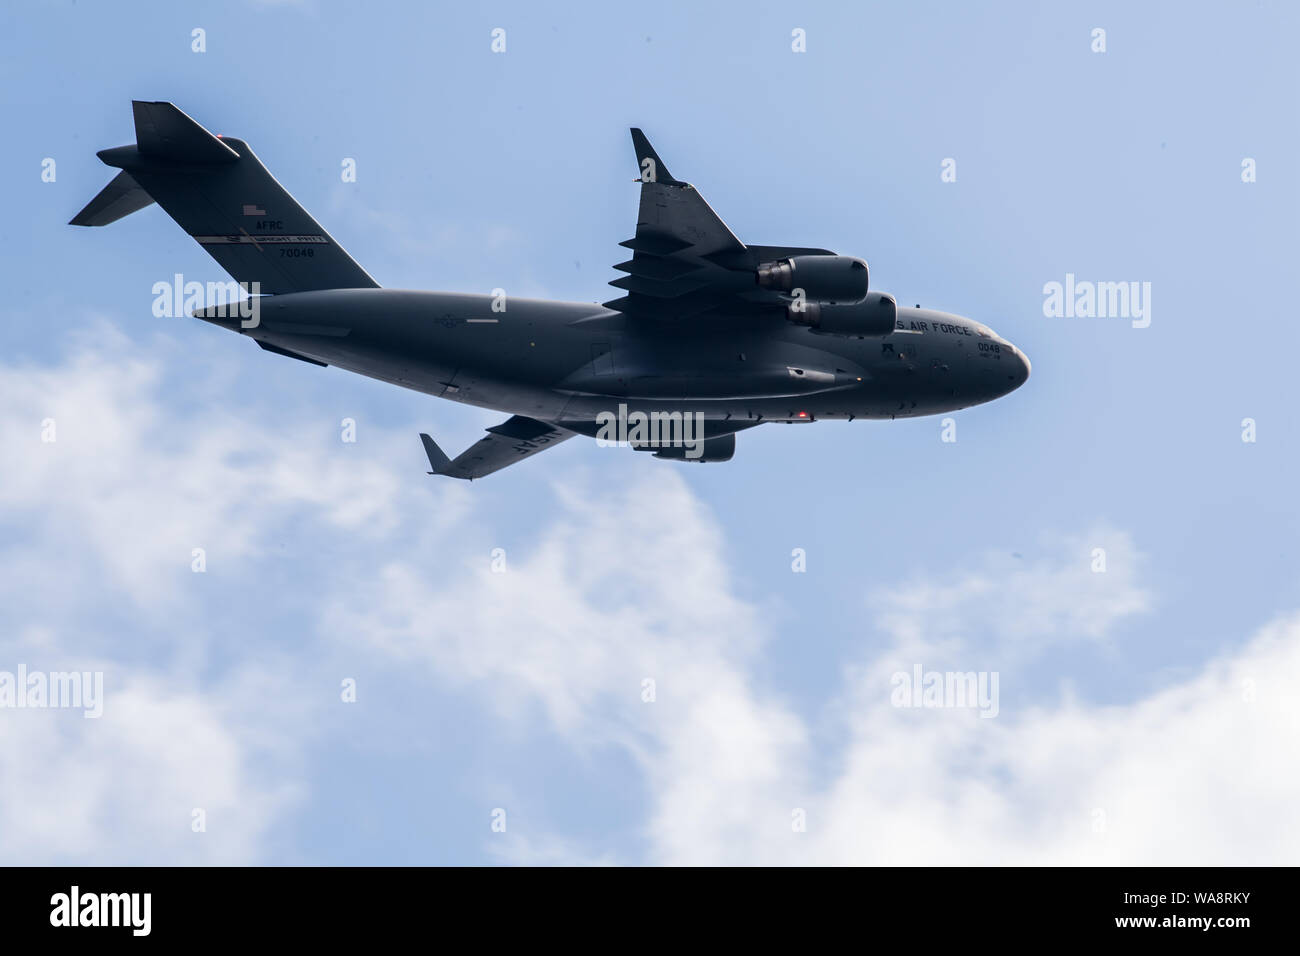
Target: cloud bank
(616, 631)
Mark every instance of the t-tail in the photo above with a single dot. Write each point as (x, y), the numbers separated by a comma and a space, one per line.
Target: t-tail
(219, 192)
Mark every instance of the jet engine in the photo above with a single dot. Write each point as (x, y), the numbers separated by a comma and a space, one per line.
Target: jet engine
(875, 315)
(832, 279)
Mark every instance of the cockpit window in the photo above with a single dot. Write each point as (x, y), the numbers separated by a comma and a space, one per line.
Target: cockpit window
(983, 331)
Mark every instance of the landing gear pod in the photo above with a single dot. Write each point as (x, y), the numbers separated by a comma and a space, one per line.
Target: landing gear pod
(713, 449)
(831, 279)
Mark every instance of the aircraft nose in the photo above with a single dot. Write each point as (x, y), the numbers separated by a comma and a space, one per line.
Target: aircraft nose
(1018, 373)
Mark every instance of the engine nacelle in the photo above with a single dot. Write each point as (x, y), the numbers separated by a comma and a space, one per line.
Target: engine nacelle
(875, 315)
(832, 279)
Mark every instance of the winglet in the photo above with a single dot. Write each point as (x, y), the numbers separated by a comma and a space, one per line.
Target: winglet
(653, 171)
(438, 461)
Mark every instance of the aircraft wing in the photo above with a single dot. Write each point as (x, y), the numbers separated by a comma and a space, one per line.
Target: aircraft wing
(512, 441)
(685, 261)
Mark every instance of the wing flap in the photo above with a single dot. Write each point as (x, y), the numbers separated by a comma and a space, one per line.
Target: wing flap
(657, 308)
(654, 267)
(658, 288)
(655, 244)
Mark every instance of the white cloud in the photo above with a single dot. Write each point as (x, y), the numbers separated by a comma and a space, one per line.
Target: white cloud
(1017, 608)
(121, 789)
(95, 576)
(619, 586)
(140, 489)
(1187, 774)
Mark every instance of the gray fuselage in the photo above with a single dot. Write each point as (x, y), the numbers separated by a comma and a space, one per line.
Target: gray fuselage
(568, 361)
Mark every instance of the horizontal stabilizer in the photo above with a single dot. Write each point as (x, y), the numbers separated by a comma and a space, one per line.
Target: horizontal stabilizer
(121, 197)
(515, 439)
(163, 131)
(293, 355)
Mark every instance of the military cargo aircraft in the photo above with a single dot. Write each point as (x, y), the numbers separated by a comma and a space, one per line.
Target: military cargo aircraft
(710, 336)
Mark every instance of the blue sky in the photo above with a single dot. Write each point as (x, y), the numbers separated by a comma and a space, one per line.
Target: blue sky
(522, 690)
